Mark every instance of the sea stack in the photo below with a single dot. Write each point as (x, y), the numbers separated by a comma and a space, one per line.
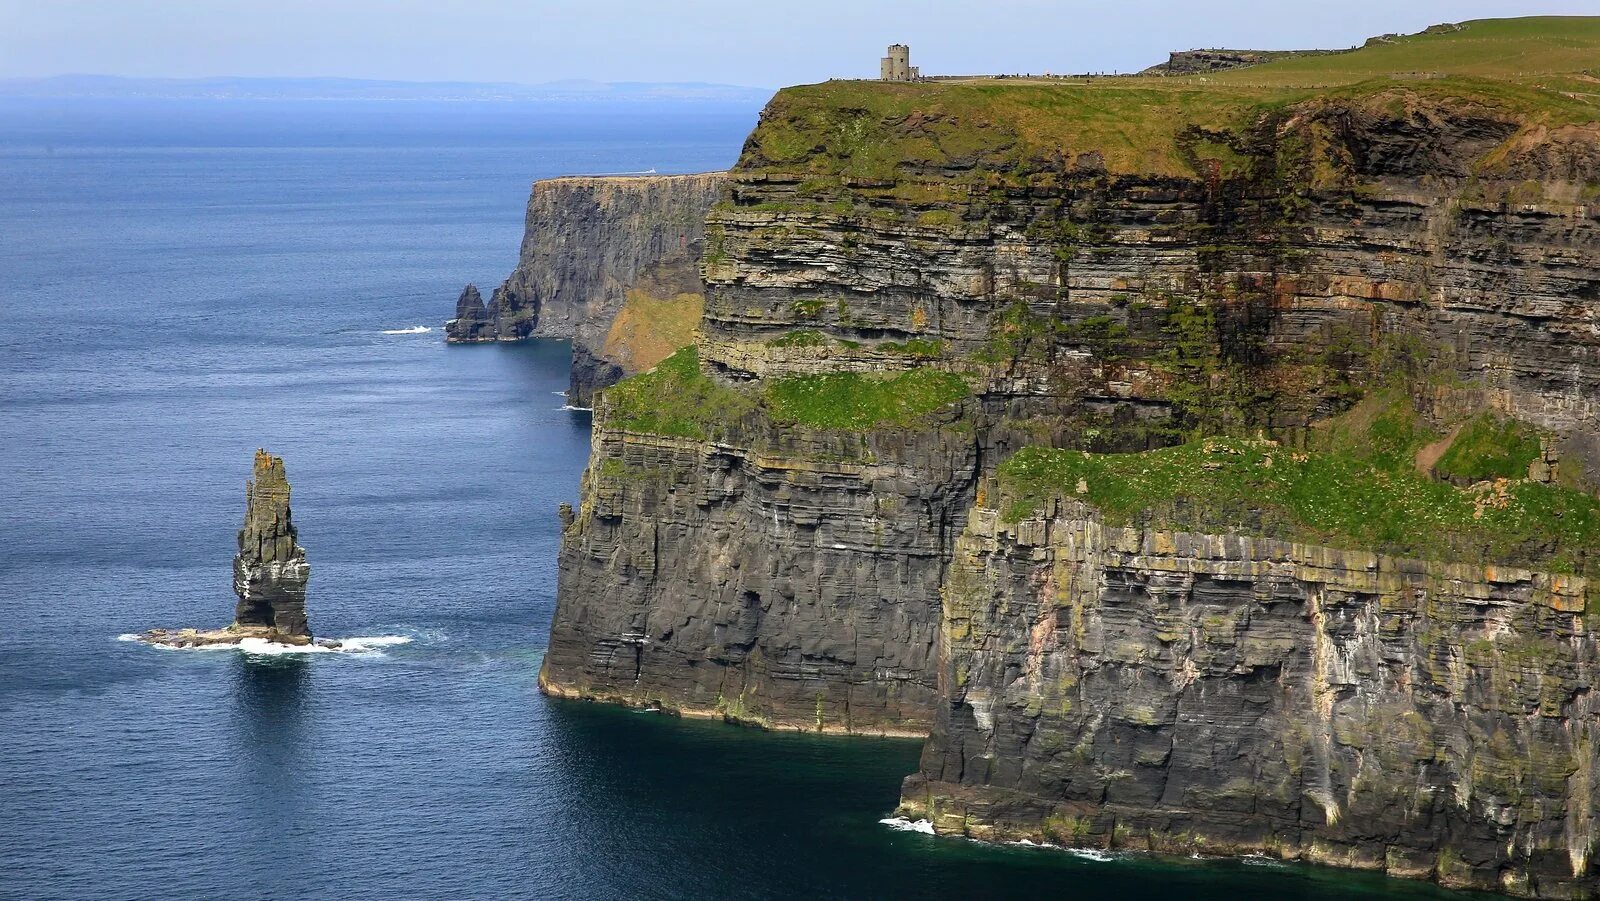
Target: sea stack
(474, 322)
(269, 573)
(270, 570)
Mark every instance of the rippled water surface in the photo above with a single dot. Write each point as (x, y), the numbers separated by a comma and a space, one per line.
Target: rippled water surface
(182, 283)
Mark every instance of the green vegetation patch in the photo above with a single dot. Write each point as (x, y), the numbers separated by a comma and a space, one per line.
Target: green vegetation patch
(928, 348)
(1384, 429)
(800, 338)
(1490, 447)
(674, 399)
(1328, 498)
(857, 402)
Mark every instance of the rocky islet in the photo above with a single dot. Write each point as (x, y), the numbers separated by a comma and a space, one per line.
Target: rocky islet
(270, 572)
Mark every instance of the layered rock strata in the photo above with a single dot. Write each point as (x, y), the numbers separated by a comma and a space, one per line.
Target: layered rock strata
(1190, 693)
(790, 583)
(270, 573)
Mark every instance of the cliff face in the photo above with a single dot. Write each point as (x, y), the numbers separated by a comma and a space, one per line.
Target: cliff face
(270, 571)
(1182, 692)
(790, 579)
(909, 288)
(592, 247)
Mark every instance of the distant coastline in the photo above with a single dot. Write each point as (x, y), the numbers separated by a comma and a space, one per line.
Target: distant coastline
(230, 88)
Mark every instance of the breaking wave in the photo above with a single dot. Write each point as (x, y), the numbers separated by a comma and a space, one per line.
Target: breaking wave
(414, 330)
(901, 824)
(357, 646)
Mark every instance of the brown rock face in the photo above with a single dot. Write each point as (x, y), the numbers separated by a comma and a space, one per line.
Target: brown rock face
(270, 570)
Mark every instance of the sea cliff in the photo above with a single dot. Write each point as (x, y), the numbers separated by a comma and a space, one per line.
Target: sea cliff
(610, 262)
(1201, 465)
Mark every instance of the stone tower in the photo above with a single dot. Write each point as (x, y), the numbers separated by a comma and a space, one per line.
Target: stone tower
(897, 65)
(270, 570)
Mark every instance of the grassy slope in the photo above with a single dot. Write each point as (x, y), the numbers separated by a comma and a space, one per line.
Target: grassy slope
(648, 329)
(1488, 48)
(1359, 487)
(1530, 68)
(1335, 499)
(677, 399)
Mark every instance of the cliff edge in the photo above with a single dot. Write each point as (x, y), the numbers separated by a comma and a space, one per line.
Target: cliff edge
(1202, 464)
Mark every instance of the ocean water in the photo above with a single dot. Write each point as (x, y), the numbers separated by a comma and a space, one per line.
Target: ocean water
(182, 283)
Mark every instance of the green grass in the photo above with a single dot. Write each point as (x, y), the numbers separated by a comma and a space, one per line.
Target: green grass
(1383, 430)
(801, 338)
(929, 348)
(1487, 48)
(1530, 69)
(1335, 499)
(857, 402)
(674, 399)
(1490, 447)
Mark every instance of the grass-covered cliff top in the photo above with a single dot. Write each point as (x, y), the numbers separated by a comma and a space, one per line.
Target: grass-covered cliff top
(1515, 49)
(1542, 70)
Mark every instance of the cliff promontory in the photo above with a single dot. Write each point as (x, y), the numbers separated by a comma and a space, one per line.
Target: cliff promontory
(610, 262)
(1201, 464)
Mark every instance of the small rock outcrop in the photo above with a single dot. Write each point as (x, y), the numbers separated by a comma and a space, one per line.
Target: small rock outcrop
(473, 322)
(270, 570)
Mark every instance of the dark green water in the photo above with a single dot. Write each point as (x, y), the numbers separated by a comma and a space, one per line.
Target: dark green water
(183, 283)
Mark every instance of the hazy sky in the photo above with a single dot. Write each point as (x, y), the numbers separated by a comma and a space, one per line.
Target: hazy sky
(752, 42)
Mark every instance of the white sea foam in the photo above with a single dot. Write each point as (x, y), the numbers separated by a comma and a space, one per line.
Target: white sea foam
(371, 643)
(360, 645)
(414, 330)
(1090, 854)
(901, 824)
(573, 409)
(1262, 860)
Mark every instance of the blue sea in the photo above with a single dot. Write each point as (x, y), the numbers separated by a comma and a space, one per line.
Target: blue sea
(181, 283)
